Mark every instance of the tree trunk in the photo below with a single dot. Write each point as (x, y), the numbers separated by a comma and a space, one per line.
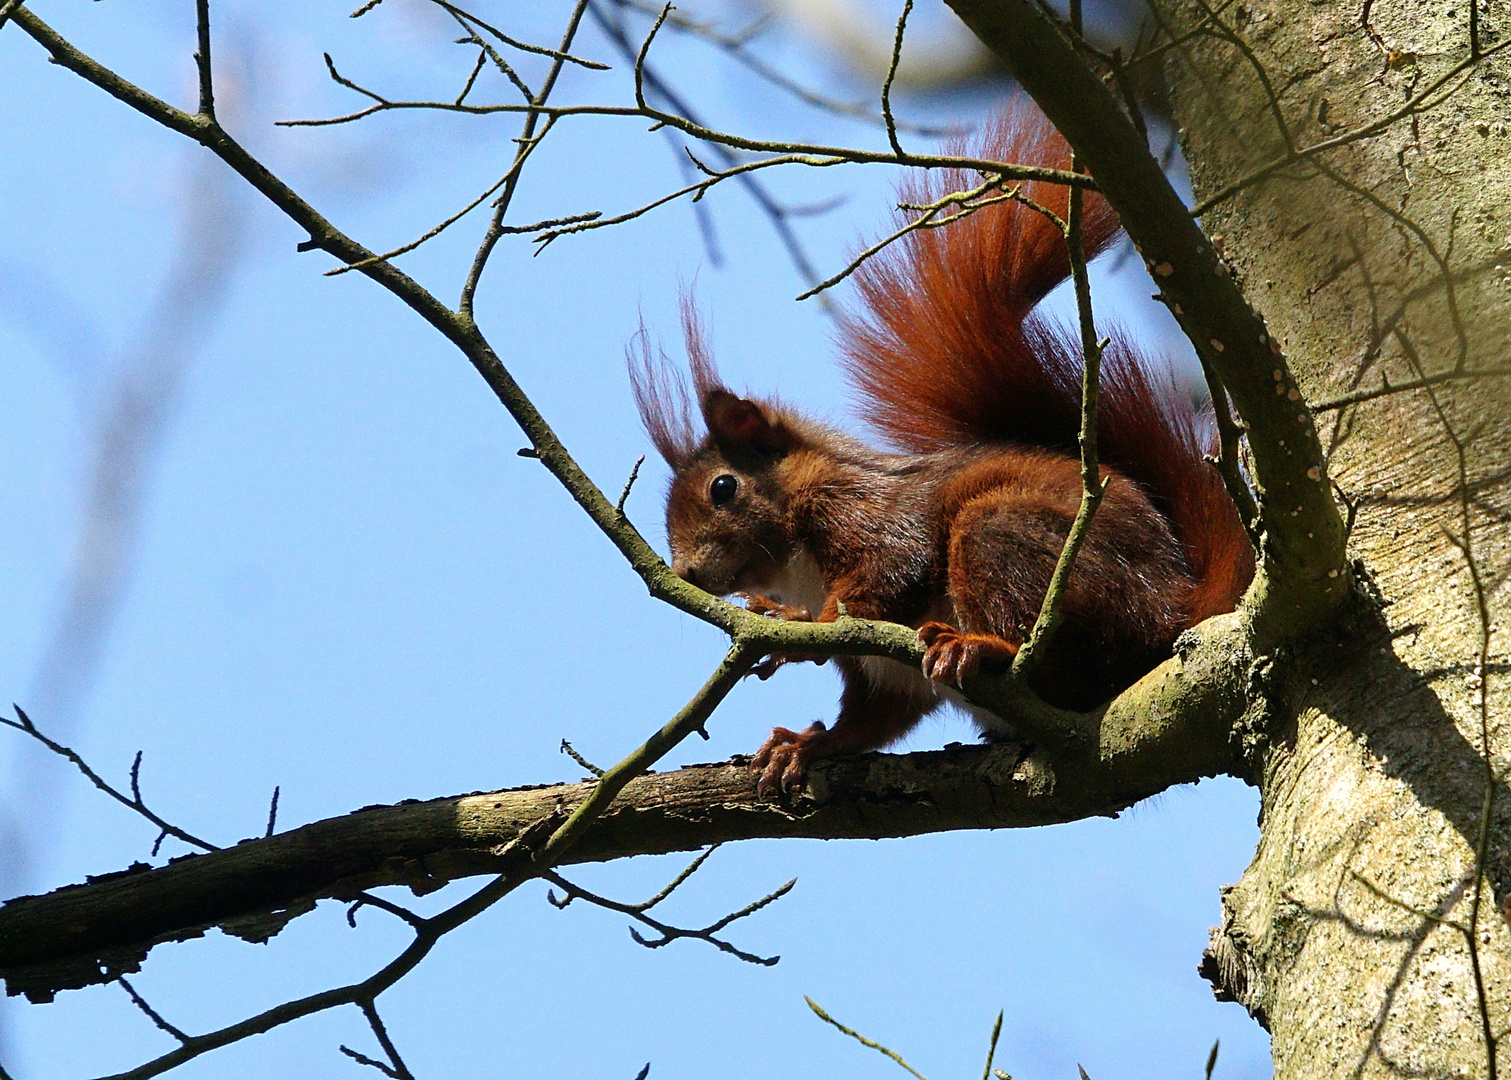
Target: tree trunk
(1382, 257)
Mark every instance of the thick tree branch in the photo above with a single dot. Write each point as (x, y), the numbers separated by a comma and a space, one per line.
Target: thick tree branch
(1170, 728)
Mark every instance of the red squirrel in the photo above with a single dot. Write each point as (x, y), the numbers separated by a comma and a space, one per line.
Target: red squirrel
(957, 530)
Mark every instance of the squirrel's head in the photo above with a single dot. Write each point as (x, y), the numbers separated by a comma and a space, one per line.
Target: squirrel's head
(727, 518)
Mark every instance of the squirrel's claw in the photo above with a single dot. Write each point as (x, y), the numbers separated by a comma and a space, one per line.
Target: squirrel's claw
(950, 656)
(783, 758)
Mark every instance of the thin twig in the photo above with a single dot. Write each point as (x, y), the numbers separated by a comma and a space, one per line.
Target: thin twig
(991, 1050)
(477, 67)
(504, 67)
(571, 752)
(1175, 41)
(858, 1037)
(561, 55)
(1130, 97)
(735, 46)
(886, 86)
(367, 899)
(775, 212)
(630, 483)
(151, 1013)
(965, 203)
(1229, 439)
(526, 144)
(851, 155)
(362, 1059)
(202, 59)
(668, 932)
(398, 1070)
(532, 858)
(1092, 484)
(687, 871)
(132, 802)
(690, 719)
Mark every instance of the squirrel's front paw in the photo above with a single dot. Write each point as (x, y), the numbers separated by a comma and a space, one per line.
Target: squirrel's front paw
(783, 758)
(776, 661)
(771, 609)
(950, 656)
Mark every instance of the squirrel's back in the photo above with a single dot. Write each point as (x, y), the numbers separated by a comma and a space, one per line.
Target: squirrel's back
(950, 352)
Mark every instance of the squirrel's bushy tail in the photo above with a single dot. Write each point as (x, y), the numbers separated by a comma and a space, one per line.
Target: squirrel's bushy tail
(949, 351)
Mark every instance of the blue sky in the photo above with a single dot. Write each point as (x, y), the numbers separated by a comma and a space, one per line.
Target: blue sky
(346, 584)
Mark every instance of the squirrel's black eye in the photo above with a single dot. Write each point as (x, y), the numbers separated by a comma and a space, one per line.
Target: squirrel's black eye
(723, 489)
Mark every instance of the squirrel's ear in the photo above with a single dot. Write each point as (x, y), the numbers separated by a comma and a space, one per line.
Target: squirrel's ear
(734, 421)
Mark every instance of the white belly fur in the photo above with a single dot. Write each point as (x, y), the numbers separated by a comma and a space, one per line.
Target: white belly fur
(798, 584)
(892, 675)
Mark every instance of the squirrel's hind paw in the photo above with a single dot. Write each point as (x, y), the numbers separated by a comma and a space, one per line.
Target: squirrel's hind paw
(950, 656)
(783, 758)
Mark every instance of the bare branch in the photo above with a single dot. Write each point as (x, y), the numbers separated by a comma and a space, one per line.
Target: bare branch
(396, 1068)
(991, 1050)
(775, 212)
(560, 55)
(964, 203)
(886, 86)
(736, 46)
(858, 1037)
(202, 59)
(1168, 729)
(630, 483)
(151, 1013)
(133, 802)
(528, 140)
(1092, 485)
(668, 932)
(1229, 436)
(566, 748)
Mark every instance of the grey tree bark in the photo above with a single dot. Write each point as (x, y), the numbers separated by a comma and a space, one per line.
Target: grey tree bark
(1382, 258)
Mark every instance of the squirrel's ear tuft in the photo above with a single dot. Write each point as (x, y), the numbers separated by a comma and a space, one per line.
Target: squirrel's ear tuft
(739, 424)
(661, 394)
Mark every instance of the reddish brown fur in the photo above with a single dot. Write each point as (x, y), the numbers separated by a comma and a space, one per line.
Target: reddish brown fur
(959, 534)
(950, 353)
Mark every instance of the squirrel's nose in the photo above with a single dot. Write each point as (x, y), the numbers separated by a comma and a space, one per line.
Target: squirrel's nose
(685, 572)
